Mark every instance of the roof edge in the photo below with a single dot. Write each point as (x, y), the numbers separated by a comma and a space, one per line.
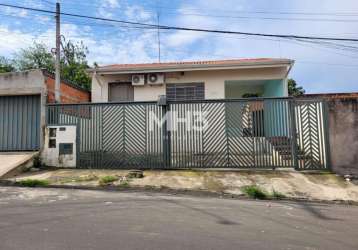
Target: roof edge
(189, 66)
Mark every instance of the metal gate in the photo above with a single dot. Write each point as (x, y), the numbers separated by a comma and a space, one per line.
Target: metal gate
(312, 134)
(20, 123)
(244, 133)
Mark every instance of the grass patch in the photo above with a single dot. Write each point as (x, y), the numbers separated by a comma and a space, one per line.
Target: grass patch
(277, 195)
(124, 184)
(255, 192)
(34, 183)
(105, 180)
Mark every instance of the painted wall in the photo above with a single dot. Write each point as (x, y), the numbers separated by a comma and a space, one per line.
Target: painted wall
(214, 82)
(236, 89)
(274, 88)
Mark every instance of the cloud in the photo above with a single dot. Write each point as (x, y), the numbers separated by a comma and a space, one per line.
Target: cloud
(138, 13)
(111, 3)
(311, 70)
(118, 44)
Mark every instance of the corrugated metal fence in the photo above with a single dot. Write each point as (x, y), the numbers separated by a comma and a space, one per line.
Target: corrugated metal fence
(20, 123)
(244, 133)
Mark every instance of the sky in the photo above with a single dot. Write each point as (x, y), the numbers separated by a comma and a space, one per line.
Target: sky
(319, 68)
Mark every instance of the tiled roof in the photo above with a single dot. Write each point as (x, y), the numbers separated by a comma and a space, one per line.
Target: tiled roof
(165, 65)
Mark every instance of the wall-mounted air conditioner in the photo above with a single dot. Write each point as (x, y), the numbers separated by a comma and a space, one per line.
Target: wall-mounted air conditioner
(155, 79)
(138, 80)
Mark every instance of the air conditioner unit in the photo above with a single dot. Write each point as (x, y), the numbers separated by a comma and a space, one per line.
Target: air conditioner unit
(155, 79)
(138, 80)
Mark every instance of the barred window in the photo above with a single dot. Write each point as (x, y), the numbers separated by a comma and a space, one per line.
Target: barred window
(185, 91)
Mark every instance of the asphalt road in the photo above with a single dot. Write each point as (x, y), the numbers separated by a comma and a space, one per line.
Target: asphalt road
(74, 219)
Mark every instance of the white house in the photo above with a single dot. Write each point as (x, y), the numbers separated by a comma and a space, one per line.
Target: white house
(264, 77)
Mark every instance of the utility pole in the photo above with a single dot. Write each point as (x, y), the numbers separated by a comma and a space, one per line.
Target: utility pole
(58, 56)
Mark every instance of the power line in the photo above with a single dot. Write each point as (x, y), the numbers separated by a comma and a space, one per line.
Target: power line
(262, 12)
(163, 7)
(164, 27)
(201, 14)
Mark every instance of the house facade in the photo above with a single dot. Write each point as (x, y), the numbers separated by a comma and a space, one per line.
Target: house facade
(223, 79)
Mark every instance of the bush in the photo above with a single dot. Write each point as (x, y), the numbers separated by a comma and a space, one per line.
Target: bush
(254, 192)
(277, 195)
(34, 183)
(105, 180)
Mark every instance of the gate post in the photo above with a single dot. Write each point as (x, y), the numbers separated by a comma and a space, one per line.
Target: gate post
(294, 132)
(166, 136)
(327, 145)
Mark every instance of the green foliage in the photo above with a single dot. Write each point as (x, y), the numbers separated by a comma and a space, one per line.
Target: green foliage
(105, 180)
(277, 195)
(124, 184)
(73, 61)
(293, 89)
(6, 65)
(74, 64)
(255, 192)
(34, 183)
(36, 56)
(250, 95)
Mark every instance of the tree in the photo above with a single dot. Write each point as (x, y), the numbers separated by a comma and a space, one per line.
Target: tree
(36, 56)
(74, 64)
(73, 61)
(293, 89)
(6, 65)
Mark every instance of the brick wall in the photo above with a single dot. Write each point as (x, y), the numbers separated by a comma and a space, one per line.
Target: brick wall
(69, 93)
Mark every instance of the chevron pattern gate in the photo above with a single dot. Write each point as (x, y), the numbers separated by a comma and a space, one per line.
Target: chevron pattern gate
(312, 138)
(245, 133)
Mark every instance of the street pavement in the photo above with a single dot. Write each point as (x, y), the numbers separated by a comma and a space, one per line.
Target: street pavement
(77, 219)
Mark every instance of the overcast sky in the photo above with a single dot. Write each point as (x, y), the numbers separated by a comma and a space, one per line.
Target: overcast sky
(318, 68)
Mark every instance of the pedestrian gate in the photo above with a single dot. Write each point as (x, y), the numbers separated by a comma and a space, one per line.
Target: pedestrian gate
(243, 133)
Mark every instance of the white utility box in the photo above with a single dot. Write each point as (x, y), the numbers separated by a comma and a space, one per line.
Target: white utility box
(60, 146)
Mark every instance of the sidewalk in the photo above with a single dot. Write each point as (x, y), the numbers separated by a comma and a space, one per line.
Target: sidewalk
(11, 161)
(287, 184)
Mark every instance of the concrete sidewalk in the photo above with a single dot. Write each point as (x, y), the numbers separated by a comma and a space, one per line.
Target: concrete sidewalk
(289, 183)
(9, 162)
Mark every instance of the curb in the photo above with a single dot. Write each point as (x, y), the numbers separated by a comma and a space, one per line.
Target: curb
(189, 192)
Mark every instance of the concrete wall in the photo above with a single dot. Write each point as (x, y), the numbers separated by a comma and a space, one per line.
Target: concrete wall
(343, 135)
(30, 82)
(214, 82)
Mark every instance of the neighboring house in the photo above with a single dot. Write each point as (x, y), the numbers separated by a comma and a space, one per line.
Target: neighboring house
(262, 77)
(23, 96)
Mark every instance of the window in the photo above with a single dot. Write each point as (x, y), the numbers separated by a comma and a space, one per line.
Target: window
(52, 143)
(121, 92)
(52, 132)
(185, 91)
